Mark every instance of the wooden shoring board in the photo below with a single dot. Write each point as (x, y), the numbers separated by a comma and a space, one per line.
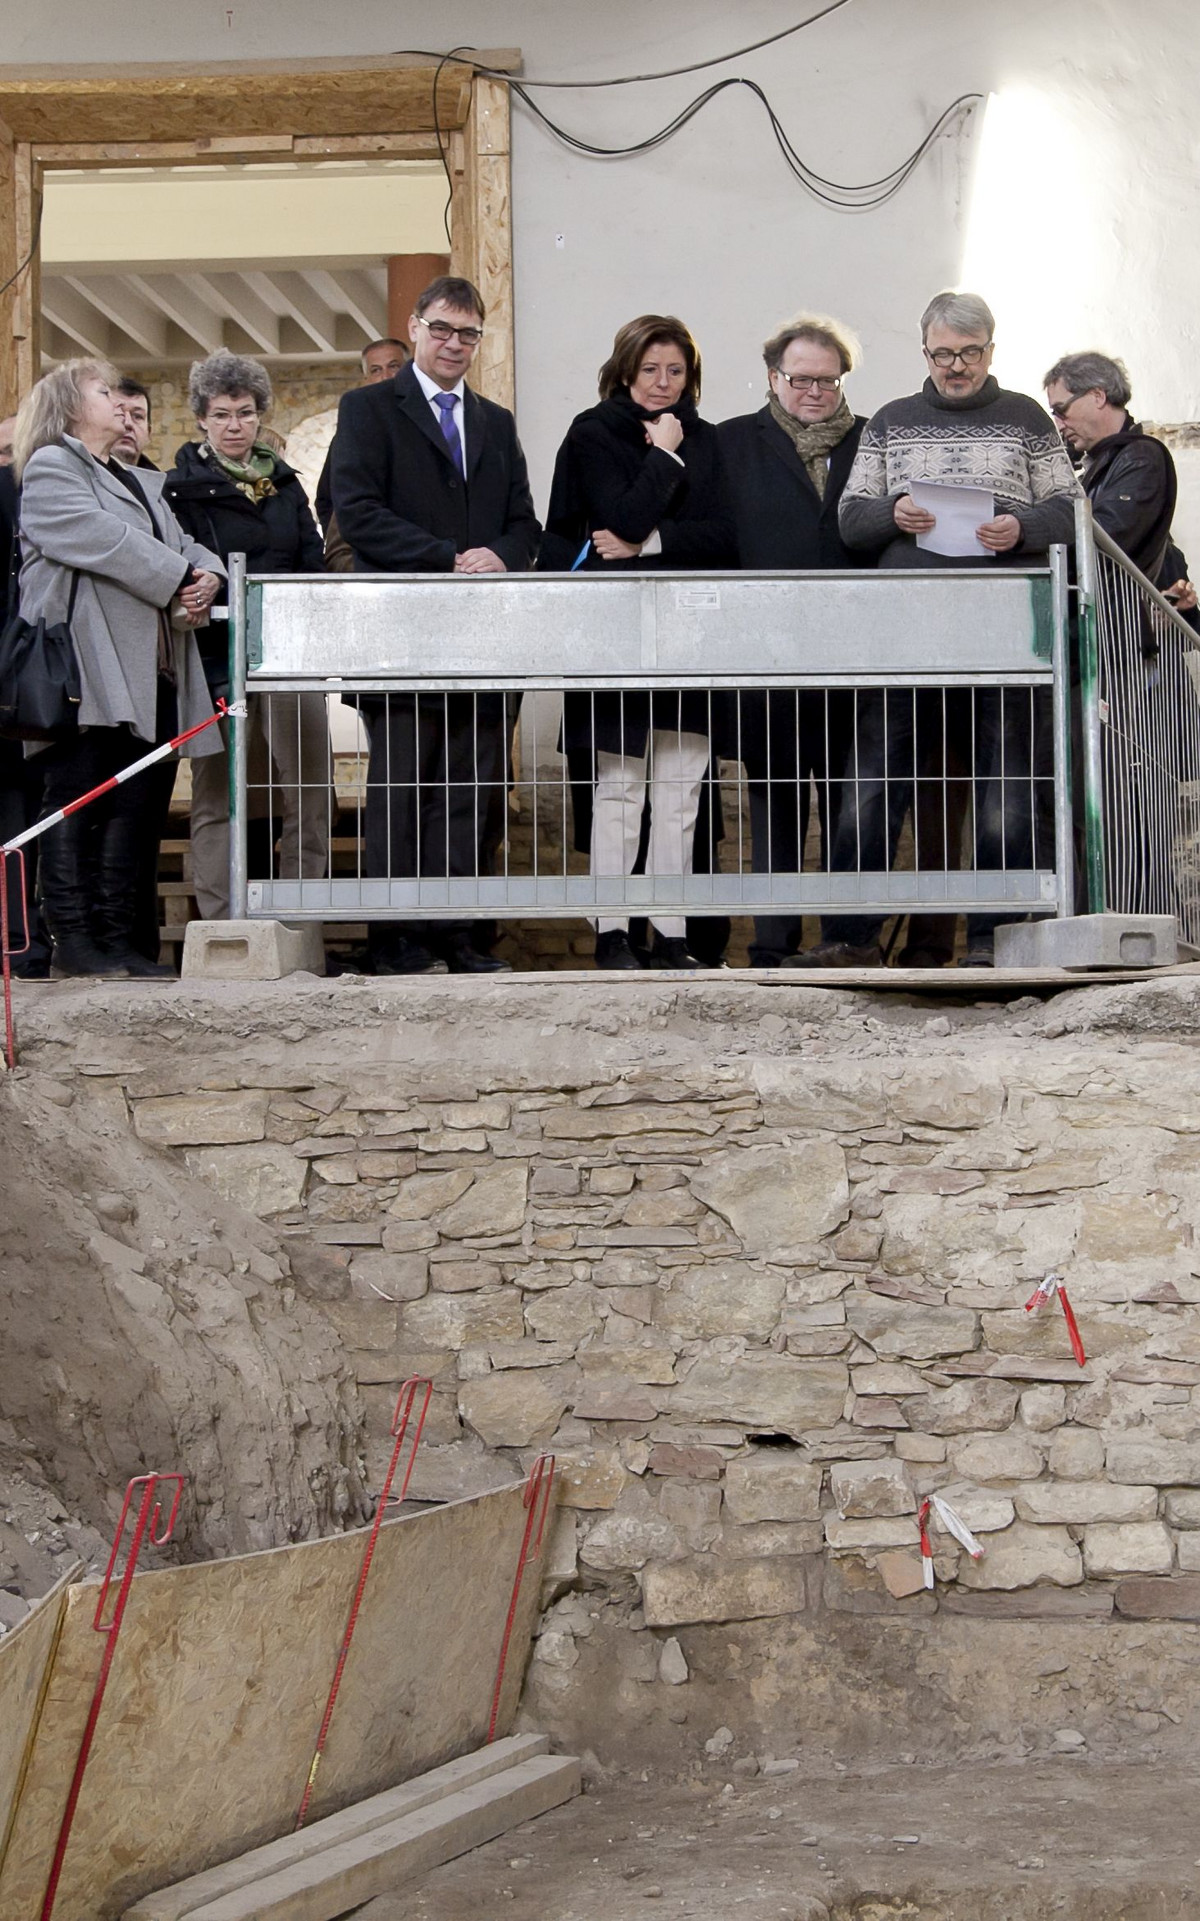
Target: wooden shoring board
(184, 1897)
(218, 1686)
(26, 1656)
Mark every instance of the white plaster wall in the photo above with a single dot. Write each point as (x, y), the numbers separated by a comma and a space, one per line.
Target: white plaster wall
(1090, 181)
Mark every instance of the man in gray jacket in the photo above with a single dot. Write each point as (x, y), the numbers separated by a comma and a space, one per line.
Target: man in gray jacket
(962, 429)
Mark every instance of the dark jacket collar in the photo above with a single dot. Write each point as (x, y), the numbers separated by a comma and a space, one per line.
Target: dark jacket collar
(1112, 443)
(411, 397)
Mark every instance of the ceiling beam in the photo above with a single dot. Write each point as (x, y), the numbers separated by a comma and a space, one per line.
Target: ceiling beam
(74, 314)
(171, 297)
(241, 303)
(305, 305)
(127, 307)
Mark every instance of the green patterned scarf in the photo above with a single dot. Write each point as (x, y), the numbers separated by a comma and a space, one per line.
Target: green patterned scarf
(814, 440)
(254, 477)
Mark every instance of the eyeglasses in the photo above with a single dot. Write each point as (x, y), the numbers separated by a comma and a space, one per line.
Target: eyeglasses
(442, 330)
(946, 356)
(1061, 408)
(815, 383)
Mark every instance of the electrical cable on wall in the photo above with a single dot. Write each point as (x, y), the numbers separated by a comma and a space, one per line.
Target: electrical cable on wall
(862, 196)
(33, 247)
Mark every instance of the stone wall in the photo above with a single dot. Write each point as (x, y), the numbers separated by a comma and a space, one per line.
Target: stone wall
(752, 1261)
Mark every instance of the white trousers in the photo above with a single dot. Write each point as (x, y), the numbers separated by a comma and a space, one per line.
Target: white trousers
(672, 769)
(298, 763)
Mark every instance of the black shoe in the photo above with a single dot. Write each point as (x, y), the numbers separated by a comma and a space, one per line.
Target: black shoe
(983, 956)
(614, 952)
(76, 958)
(138, 968)
(461, 957)
(402, 956)
(673, 956)
(837, 953)
(923, 957)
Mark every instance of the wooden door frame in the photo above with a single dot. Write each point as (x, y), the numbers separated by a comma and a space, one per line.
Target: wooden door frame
(303, 110)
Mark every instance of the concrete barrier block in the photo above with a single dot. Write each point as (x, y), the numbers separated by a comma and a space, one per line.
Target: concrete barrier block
(1090, 940)
(251, 950)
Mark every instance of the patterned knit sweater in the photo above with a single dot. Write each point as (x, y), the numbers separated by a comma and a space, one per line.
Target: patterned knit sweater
(995, 439)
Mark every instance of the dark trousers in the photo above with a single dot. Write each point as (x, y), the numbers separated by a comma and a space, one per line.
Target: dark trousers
(876, 794)
(1013, 766)
(789, 740)
(436, 780)
(118, 836)
(999, 738)
(20, 806)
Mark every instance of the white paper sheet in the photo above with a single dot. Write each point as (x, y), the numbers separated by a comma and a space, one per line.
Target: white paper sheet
(958, 511)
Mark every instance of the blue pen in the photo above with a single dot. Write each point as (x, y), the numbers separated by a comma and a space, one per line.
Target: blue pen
(577, 563)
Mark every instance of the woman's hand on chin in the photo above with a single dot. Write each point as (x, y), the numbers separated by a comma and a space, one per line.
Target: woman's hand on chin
(611, 547)
(665, 432)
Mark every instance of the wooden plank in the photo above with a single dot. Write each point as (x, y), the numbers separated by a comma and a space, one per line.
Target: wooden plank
(389, 1857)
(26, 1655)
(173, 1904)
(392, 94)
(216, 1695)
(481, 231)
(26, 293)
(9, 259)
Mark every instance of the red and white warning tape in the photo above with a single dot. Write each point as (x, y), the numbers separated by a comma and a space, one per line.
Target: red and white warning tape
(224, 712)
(1046, 1289)
(953, 1524)
(13, 847)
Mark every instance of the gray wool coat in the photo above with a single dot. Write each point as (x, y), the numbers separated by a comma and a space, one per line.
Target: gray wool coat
(77, 515)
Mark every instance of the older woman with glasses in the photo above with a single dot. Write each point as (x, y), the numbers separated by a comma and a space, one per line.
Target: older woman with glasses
(234, 490)
(101, 550)
(638, 485)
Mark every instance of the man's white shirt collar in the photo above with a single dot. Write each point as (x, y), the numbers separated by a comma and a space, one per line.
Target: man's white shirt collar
(430, 387)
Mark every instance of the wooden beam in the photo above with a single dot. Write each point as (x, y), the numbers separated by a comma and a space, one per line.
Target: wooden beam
(26, 293)
(8, 267)
(481, 229)
(225, 102)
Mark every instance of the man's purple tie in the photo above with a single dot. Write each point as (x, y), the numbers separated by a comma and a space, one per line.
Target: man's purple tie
(445, 404)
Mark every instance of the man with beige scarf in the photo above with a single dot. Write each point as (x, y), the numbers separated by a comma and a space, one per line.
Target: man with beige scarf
(785, 467)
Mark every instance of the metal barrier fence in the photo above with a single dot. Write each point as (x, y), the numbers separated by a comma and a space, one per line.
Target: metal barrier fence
(870, 743)
(1140, 683)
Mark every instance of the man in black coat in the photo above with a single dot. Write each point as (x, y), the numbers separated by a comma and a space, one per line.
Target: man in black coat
(1127, 474)
(785, 468)
(428, 477)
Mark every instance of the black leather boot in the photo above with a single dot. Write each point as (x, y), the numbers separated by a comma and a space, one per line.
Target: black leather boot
(65, 871)
(122, 854)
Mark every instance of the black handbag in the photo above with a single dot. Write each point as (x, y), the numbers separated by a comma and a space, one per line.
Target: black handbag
(40, 688)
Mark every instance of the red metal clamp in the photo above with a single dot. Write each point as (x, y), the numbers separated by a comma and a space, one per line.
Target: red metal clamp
(539, 1489)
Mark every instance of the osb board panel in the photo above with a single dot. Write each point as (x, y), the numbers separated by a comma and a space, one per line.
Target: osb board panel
(25, 1657)
(170, 103)
(218, 1687)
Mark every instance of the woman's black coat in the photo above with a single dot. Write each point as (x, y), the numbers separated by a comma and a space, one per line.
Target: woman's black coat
(278, 534)
(608, 476)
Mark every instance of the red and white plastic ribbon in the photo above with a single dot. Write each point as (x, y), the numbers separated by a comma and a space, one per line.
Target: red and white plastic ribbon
(953, 1524)
(1046, 1289)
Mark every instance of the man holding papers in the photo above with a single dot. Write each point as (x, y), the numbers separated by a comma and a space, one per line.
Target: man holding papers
(961, 474)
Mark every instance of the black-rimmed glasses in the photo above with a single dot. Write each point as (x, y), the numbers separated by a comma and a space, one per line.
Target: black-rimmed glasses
(814, 383)
(946, 356)
(442, 330)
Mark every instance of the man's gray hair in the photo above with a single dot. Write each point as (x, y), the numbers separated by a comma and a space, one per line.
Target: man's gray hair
(963, 313)
(55, 406)
(226, 374)
(1080, 373)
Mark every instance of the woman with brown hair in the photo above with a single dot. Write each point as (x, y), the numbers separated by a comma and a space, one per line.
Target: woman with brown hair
(638, 484)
